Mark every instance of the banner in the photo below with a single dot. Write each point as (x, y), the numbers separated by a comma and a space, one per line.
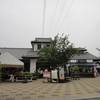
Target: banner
(46, 74)
(61, 72)
(54, 74)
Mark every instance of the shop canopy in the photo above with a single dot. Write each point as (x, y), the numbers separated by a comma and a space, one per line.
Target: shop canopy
(83, 64)
(9, 61)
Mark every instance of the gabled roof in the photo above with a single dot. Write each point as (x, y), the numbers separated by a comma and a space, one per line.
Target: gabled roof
(81, 49)
(20, 53)
(7, 60)
(41, 40)
(16, 52)
(32, 54)
(85, 55)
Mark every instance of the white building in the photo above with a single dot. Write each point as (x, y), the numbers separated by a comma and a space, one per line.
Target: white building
(30, 58)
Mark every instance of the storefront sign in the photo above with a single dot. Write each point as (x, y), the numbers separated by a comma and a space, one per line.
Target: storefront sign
(95, 71)
(61, 72)
(81, 61)
(46, 74)
(54, 74)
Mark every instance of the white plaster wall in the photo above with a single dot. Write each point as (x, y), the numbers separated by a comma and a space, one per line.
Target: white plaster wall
(97, 66)
(35, 47)
(42, 45)
(74, 61)
(33, 65)
(67, 68)
(89, 60)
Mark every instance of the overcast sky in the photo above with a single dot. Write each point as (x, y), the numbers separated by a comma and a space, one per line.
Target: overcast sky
(21, 21)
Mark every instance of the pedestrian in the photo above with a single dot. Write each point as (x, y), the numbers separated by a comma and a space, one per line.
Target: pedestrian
(46, 70)
(13, 72)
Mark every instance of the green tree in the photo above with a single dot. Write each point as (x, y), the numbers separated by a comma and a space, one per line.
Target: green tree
(59, 52)
(0, 73)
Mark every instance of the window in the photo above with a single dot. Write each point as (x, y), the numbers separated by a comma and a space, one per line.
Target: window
(39, 46)
(48, 45)
(86, 69)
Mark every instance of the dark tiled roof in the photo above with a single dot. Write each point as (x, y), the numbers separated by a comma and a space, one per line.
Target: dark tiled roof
(28, 52)
(85, 55)
(17, 52)
(81, 49)
(42, 40)
(32, 54)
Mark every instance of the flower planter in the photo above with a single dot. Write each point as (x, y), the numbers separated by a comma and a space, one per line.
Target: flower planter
(25, 81)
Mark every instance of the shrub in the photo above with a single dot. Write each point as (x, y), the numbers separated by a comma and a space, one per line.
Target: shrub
(27, 73)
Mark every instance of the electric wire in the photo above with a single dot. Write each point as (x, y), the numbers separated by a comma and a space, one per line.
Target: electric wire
(61, 11)
(53, 16)
(66, 15)
(44, 11)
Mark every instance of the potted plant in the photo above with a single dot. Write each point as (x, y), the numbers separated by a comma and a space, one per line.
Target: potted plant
(25, 80)
(35, 74)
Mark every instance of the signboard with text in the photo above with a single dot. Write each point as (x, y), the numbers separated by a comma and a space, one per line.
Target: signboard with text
(81, 60)
(46, 74)
(54, 74)
(61, 72)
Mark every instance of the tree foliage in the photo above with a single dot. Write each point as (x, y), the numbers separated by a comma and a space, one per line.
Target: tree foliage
(59, 52)
(74, 68)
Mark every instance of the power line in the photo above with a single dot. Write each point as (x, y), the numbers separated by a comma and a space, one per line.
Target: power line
(53, 16)
(61, 11)
(44, 10)
(65, 15)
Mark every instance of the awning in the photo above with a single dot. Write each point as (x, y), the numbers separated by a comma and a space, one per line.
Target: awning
(83, 64)
(7, 60)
